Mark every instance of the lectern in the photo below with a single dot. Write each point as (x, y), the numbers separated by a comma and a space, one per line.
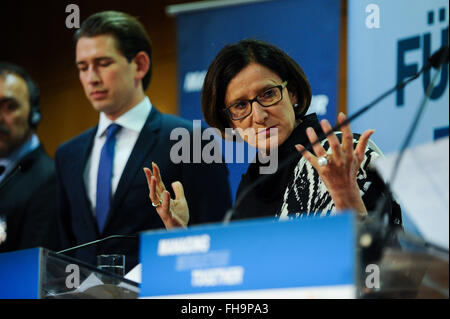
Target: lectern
(310, 257)
(38, 273)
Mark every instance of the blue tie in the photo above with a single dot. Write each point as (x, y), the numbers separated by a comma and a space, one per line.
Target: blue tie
(104, 176)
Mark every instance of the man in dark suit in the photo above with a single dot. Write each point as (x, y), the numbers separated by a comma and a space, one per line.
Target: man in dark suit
(103, 189)
(27, 175)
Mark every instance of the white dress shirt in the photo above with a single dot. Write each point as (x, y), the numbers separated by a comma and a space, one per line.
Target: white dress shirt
(132, 123)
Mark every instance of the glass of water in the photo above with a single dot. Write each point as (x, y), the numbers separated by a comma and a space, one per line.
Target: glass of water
(112, 263)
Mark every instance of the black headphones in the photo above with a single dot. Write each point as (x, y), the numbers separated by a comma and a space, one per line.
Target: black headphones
(35, 116)
(35, 109)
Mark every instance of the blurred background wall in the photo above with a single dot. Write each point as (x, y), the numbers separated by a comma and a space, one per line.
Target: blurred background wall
(34, 34)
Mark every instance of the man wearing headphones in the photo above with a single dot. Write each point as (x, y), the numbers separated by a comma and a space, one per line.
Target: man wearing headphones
(27, 174)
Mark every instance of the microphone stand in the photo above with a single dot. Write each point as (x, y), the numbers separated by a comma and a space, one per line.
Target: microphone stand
(375, 233)
(96, 242)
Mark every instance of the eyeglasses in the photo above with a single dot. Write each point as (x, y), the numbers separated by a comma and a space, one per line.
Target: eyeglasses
(269, 97)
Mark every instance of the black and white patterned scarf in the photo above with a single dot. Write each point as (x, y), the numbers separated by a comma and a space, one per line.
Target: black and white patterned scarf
(306, 193)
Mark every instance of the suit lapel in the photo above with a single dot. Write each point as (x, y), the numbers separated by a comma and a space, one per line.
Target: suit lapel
(84, 150)
(145, 143)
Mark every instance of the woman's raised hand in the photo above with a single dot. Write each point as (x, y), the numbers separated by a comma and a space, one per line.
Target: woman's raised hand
(339, 169)
(173, 212)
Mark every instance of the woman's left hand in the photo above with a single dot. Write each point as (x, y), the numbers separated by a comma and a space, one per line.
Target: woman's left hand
(339, 174)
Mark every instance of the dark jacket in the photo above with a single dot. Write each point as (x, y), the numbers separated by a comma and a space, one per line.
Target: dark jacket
(28, 200)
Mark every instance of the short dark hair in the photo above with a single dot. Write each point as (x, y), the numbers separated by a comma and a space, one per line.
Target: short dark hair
(33, 89)
(232, 59)
(129, 33)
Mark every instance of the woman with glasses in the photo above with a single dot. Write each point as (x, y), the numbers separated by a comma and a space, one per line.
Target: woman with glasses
(257, 89)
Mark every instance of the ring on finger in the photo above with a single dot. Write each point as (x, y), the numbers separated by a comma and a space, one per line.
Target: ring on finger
(324, 160)
(156, 205)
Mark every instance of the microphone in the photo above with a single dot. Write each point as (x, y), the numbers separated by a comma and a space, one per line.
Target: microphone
(25, 165)
(94, 242)
(435, 60)
(439, 57)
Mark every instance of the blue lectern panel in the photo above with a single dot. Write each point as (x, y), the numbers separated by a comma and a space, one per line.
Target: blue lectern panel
(249, 255)
(19, 274)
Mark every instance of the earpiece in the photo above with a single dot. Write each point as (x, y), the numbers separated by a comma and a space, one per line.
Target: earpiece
(35, 108)
(35, 116)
